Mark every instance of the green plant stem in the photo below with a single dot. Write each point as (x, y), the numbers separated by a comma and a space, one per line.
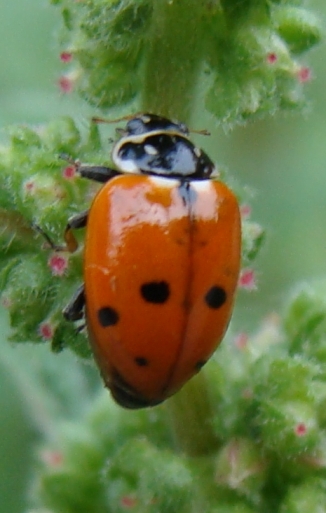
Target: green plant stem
(190, 415)
(174, 59)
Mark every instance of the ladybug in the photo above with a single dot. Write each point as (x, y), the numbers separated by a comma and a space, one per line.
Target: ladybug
(161, 261)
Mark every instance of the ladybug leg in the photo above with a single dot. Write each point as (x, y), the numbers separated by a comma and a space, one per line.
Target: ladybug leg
(74, 222)
(75, 308)
(49, 241)
(99, 174)
(81, 328)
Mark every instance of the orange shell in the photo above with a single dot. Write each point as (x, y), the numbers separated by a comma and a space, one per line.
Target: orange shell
(145, 230)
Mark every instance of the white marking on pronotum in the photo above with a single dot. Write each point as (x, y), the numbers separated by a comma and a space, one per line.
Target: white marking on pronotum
(150, 150)
(127, 166)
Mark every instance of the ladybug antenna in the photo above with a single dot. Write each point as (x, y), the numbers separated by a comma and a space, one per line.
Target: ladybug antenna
(200, 132)
(131, 116)
(123, 118)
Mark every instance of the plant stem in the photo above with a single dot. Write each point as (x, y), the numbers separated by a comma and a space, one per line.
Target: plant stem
(190, 413)
(174, 59)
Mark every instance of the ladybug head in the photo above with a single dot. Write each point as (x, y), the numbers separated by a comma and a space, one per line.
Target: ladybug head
(146, 123)
(154, 145)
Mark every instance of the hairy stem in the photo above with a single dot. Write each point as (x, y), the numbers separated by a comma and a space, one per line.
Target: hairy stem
(190, 414)
(172, 66)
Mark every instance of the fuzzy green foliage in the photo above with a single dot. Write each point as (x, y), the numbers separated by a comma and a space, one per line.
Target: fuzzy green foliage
(268, 420)
(243, 53)
(35, 281)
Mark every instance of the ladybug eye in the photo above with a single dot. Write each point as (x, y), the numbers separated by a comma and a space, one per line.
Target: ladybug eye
(136, 126)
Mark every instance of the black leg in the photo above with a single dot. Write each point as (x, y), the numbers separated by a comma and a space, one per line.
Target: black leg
(75, 308)
(49, 241)
(100, 174)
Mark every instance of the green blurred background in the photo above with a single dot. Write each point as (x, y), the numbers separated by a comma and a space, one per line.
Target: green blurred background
(282, 160)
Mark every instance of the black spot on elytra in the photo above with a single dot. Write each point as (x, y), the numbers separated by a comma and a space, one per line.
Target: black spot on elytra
(200, 364)
(215, 297)
(141, 361)
(107, 316)
(155, 291)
